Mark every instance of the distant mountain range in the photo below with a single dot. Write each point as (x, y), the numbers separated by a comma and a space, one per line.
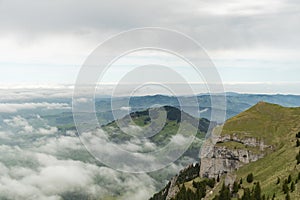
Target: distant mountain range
(235, 102)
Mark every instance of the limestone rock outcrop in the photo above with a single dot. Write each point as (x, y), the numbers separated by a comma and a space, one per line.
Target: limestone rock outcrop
(220, 159)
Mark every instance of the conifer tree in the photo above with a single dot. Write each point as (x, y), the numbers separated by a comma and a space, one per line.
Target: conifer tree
(247, 194)
(211, 182)
(292, 187)
(285, 187)
(274, 195)
(298, 158)
(287, 197)
(235, 187)
(289, 179)
(257, 192)
(250, 178)
(224, 193)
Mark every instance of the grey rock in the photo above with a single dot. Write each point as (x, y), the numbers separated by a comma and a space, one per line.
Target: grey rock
(222, 160)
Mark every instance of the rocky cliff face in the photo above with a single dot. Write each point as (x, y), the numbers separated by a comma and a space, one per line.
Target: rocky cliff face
(220, 159)
(216, 160)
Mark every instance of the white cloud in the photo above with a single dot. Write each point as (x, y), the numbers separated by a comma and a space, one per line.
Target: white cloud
(15, 107)
(132, 129)
(244, 8)
(19, 122)
(24, 126)
(3, 135)
(46, 169)
(125, 108)
(63, 41)
(50, 130)
(179, 139)
(83, 100)
(58, 145)
(57, 178)
(54, 177)
(203, 111)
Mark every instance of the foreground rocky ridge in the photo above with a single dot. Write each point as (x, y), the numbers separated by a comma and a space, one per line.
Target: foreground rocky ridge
(250, 142)
(222, 159)
(219, 161)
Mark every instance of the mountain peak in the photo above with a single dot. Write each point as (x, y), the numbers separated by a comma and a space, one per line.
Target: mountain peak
(270, 122)
(265, 104)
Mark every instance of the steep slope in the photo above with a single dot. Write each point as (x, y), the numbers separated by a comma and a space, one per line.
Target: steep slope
(249, 136)
(264, 121)
(275, 127)
(261, 141)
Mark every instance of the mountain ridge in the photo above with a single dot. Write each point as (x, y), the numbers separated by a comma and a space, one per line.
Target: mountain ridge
(245, 146)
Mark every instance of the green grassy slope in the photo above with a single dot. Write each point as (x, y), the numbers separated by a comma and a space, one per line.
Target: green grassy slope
(170, 128)
(272, 123)
(276, 126)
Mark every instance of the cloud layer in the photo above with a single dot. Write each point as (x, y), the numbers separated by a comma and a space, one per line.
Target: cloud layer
(37, 161)
(58, 166)
(15, 107)
(247, 35)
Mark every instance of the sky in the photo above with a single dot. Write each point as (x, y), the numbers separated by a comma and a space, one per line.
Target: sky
(253, 44)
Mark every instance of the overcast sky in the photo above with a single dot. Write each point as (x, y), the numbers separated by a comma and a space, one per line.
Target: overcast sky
(250, 42)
